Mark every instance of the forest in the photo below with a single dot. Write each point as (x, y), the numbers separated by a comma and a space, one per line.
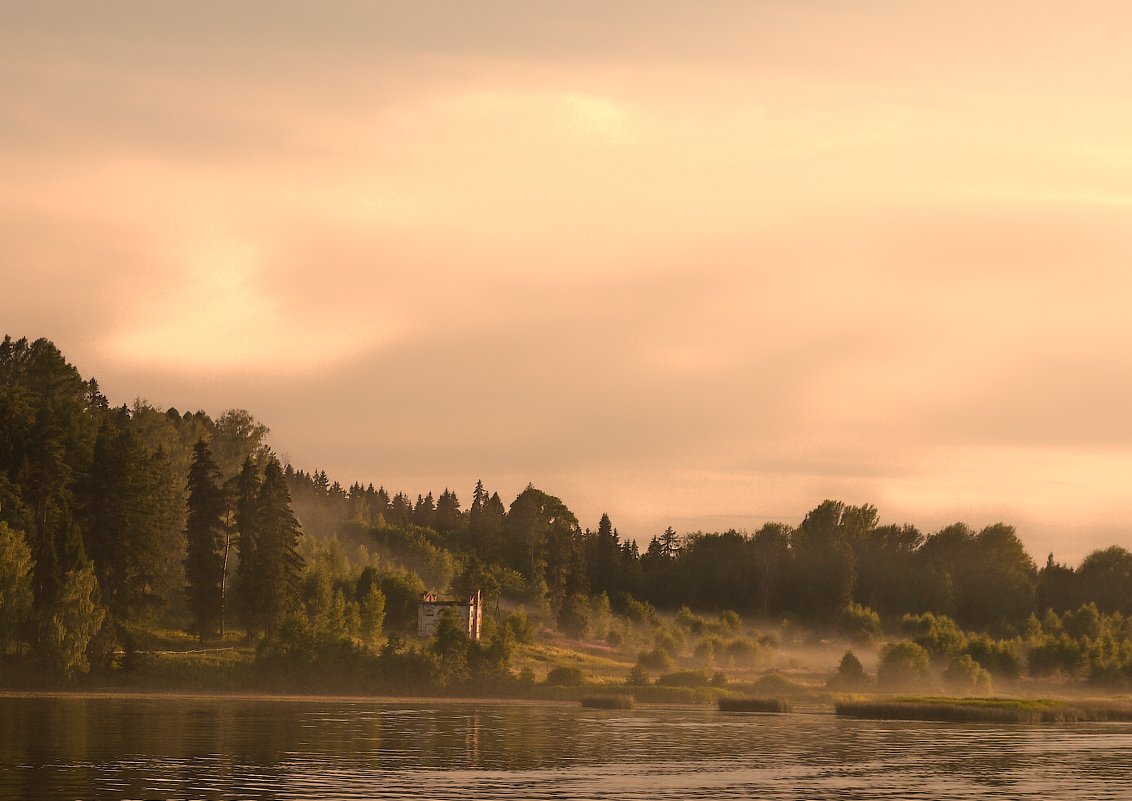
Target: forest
(117, 522)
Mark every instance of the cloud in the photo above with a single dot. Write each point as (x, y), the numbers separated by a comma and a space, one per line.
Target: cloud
(675, 262)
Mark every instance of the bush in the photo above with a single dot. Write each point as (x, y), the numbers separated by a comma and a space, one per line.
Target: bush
(744, 651)
(565, 677)
(657, 659)
(774, 684)
(903, 666)
(708, 650)
(638, 611)
(520, 627)
(859, 623)
(850, 675)
(1002, 658)
(1059, 654)
(937, 634)
(692, 622)
(965, 676)
(729, 620)
(638, 677)
(671, 640)
(574, 616)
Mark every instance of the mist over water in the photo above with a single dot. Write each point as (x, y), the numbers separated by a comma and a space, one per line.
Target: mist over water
(97, 748)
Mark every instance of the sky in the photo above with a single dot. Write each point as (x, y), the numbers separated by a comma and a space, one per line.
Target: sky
(692, 264)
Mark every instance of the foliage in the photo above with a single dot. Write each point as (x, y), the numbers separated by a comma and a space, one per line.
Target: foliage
(850, 675)
(638, 676)
(937, 634)
(859, 623)
(16, 598)
(903, 665)
(966, 676)
(206, 561)
(71, 622)
(658, 659)
(565, 676)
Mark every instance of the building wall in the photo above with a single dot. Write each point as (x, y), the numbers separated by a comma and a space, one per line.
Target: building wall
(470, 614)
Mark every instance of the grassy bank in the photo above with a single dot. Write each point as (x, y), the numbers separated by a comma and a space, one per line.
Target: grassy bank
(989, 710)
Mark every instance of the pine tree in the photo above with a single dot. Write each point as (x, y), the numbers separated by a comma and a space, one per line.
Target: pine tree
(207, 543)
(125, 536)
(277, 562)
(245, 488)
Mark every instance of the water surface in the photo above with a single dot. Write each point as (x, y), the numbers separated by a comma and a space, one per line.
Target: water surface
(94, 748)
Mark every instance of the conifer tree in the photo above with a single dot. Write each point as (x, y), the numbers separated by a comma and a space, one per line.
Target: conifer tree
(207, 544)
(278, 565)
(124, 536)
(245, 491)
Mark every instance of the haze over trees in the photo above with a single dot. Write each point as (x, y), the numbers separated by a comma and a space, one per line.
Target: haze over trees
(117, 517)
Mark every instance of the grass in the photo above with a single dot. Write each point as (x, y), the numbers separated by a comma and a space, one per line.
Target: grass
(988, 710)
(779, 705)
(620, 701)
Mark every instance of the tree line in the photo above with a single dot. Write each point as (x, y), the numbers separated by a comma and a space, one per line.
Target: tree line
(117, 516)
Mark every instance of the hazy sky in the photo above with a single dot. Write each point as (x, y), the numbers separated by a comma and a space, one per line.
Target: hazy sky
(693, 264)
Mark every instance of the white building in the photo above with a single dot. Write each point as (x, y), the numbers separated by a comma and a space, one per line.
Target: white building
(469, 612)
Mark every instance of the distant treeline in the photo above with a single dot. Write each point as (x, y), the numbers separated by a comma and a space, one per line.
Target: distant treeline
(838, 555)
(112, 517)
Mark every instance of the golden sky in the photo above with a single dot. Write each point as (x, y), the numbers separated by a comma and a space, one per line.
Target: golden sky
(692, 264)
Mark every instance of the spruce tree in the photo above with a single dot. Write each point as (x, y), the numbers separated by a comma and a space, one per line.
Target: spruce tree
(278, 564)
(207, 544)
(245, 492)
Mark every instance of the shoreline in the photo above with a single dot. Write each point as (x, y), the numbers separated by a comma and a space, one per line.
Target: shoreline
(188, 695)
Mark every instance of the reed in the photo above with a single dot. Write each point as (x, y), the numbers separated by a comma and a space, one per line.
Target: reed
(779, 705)
(608, 701)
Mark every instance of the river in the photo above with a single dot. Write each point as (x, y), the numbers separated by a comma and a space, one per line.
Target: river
(95, 748)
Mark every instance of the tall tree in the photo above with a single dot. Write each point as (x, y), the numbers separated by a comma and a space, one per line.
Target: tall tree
(207, 543)
(245, 491)
(277, 562)
(126, 535)
(15, 586)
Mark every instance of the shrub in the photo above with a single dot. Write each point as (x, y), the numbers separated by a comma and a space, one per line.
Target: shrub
(708, 650)
(850, 675)
(520, 627)
(966, 676)
(729, 620)
(859, 623)
(1001, 657)
(574, 616)
(565, 677)
(744, 651)
(670, 640)
(638, 611)
(638, 677)
(775, 684)
(903, 665)
(937, 634)
(1060, 654)
(656, 659)
(1084, 622)
(689, 620)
